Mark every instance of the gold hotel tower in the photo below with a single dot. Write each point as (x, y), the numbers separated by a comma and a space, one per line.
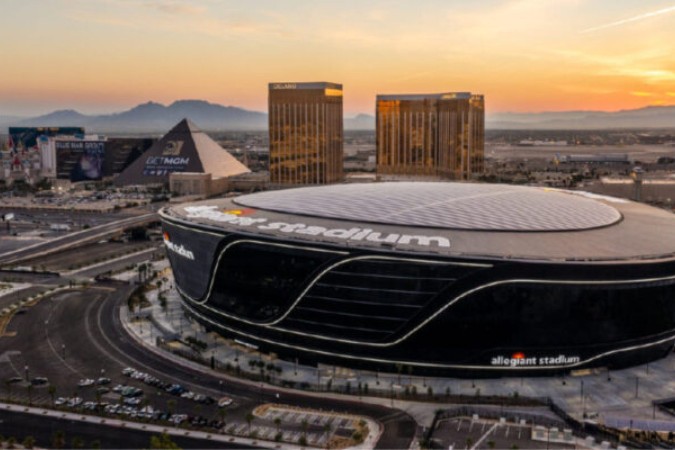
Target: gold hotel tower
(305, 131)
(430, 136)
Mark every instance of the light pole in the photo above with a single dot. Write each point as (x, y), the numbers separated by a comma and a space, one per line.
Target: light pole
(63, 351)
(26, 372)
(637, 382)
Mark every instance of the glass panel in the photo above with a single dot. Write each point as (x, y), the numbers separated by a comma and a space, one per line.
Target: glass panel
(260, 281)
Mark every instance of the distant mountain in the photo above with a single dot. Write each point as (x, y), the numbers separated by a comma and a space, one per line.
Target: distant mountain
(6, 121)
(360, 122)
(63, 118)
(648, 117)
(153, 117)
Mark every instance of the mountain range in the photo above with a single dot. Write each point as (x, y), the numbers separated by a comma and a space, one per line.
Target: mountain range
(154, 117)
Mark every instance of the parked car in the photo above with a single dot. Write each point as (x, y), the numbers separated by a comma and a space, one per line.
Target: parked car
(224, 401)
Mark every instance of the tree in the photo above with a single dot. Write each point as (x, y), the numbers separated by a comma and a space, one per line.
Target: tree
(29, 388)
(491, 443)
(249, 420)
(58, 439)
(222, 413)
(163, 441)
(277, 422)
(52, 392)
(8, 385)
(469, 442)
(305, 425)
(95, 444)
(28, 442)
(171, 405)
(326, 431)
(11, 441)
(77, 442)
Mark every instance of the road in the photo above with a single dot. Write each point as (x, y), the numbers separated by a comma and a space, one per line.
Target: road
(19, 425)
(84, 326)
(77, 238)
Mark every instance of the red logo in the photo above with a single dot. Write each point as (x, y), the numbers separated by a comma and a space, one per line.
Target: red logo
(518, 355)
(240, 212)
(166, 236)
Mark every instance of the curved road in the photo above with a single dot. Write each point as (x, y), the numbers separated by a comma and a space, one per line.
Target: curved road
(84, 326)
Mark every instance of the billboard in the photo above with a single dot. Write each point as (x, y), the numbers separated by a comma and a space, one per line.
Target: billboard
(26, 137)
(78, 160)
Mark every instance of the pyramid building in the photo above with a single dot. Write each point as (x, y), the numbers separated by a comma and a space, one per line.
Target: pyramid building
(185, 148)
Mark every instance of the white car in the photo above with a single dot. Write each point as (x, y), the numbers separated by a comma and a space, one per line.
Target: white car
(60, 401)
(224, 401)
(75, 401)
(86, 382)
(189, 395)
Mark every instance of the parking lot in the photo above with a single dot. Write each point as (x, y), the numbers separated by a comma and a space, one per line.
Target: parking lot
(463, 432)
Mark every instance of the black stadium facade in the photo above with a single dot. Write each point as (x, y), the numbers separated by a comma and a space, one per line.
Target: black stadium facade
(445, 278)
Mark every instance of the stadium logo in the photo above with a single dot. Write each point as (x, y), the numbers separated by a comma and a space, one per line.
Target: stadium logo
(239, 212)
(519, 359)
(178, 249)
(351, 234)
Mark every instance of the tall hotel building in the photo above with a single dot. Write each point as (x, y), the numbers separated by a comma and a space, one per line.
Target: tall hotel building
(305, 130)
(430, 136)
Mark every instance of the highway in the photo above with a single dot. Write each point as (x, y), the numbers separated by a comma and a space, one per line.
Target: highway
(75, 239)
(78, 334)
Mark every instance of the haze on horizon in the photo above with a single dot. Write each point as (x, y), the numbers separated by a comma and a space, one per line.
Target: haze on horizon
(524, 55)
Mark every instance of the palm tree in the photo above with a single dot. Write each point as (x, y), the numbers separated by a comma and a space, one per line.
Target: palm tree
(28, 442)
(8, 385)
(52, 392)
(58, 439)
(222, 413)
(29, 388)
(305, 425)
(327, 430)
(171, 405)
(249, 420)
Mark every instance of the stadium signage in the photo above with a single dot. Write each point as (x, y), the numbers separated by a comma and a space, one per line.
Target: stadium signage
(284, 86)
(178, 249)
(349, 234)
(520, 360)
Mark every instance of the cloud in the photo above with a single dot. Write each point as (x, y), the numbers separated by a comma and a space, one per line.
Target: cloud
(637, 18)
(642, 94)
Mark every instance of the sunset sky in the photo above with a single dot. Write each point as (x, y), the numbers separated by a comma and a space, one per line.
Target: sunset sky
(524, 55)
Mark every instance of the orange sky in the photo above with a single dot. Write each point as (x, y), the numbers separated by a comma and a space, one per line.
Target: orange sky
(523, 55)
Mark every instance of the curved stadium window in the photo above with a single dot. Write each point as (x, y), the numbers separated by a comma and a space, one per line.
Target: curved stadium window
(259, 281)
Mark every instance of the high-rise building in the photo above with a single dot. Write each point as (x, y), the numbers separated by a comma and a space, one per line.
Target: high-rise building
(430, 136)
(305, 130)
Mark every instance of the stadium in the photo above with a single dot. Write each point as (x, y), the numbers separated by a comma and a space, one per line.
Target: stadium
(456, 279)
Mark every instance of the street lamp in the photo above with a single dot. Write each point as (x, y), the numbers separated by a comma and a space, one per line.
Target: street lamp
(27, 373)
(637, 381)
(63, 351)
